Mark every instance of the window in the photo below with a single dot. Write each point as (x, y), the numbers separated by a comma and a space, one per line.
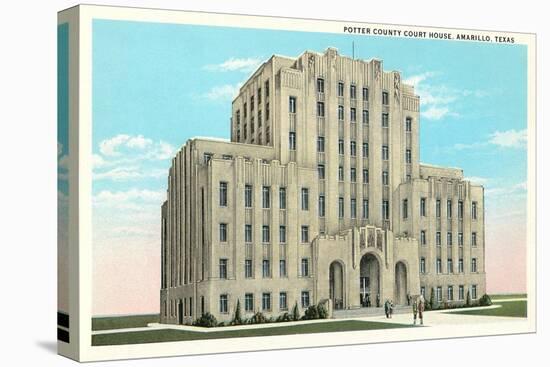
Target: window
(340, 173)
(460, 209)
(352, 92)
(265, 234)
(408, 178)
(321, 144)
(282, 198)
(251, 103)
(266, 271)
(438, 238)
(321, 171)
(248, 302)
(227, 157)
(423, 207)
(305, 299)
(282, 234)
(385, 209)
(248, 196)
(223, 303)
(474, 239)
(266, 87)
(365, 208)
(266, 301)
(405, 208)
(341, 146)
(321, 109)
(365, 94)
(352, 174)
(385, 179)
(449, 266)
(450, 293)
(320, 85)
(385, 152)
(245, 110)
(292, 140)
(423, 237)
(341, 113)
(461, 293)
(321, 206)
(259, 118)
(259, 95)
(248, 268)
(267, 117)
(365, 150)
(474, 265)
(439, 295)
(461, 265)
(340, 89)
(207, 157)
(305, 234)
(408, 156)
(460, 239)
(449, 238)
(282, 301)
(474, 210)
(353, 208)
(385, 98)
(438, 266)
(365, 176)
(223, 232)
(474, 291)
(223, 193)
(422, 265)
(305, 267)
(223, 268)
(449, 209)
(305, 198)
(408, 124)
(282, 268)
(266, 201)
(352, 148)
(248, 233)
(340, 207)
(292, 104)
(353, 114)
(365, 116)
(438, 208)
(385, 120)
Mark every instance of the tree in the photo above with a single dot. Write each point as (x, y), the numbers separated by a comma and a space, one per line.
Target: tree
(237, 318)
(468, 299)
(295, 312)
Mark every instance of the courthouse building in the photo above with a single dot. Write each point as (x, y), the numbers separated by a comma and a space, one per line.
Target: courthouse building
(319, 195)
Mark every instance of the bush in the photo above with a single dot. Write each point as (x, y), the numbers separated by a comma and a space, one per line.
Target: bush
(285, 317)
(206, 320)
(468, 299)
(315, 312)
(322, 311)
(485, 300)
(258, 318)
(237, 318)
(295, 312)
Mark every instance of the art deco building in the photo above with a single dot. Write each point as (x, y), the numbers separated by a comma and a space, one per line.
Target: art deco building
(319, 195)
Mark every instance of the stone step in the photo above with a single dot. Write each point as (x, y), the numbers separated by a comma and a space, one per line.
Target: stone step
(368, 311)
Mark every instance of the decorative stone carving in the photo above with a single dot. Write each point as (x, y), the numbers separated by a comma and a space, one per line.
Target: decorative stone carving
(396, 86)
(377, 70)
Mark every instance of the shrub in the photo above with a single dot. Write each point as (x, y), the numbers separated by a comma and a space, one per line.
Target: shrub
(284, 317)
(258, 318)
(311, 313)
(237, 318)
(485, 300)
(295, 312)
(322, 311)
(206, 320)
(468, 299)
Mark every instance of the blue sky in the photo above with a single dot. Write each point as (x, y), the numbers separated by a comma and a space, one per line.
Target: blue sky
(156, 85)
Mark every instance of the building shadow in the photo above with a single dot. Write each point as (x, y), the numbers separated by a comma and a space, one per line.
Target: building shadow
(48, 345)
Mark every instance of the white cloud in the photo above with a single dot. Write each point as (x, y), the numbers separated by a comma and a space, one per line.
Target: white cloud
(509, 138)
(507, 191)
(110, 147)
(130, 199)
(435, 113)
(244, 65)
(224, 92)
(125, 173)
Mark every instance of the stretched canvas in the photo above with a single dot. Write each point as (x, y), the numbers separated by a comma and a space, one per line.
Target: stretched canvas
(235, 183)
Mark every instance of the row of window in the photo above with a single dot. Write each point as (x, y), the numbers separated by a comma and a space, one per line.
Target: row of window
(266, 268)
(266, 301)
(423, 212)
(259, 116)
(451, 293)
(352, 91)
(438, 269)
(449, 238)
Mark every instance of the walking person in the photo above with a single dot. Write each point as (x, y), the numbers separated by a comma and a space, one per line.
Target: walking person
(391, 309)
(387, 308)
(378, 300)
(421, 305)
(415, 310)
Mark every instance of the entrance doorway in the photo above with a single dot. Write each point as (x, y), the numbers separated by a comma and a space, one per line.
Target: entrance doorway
(180, 312)
(369, 281)
(336, 285)
(400, 290)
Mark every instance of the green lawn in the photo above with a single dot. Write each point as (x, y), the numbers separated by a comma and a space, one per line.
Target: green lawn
(510, 309)
(496, 297)
(122, 322)
(170, 335)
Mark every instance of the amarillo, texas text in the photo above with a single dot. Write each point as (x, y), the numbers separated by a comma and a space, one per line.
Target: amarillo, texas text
(424, 34)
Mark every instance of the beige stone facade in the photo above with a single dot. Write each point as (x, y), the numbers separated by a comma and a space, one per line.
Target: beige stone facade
(319, 195)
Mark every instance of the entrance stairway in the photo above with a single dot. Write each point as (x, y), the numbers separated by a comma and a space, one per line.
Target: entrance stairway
(368, 311)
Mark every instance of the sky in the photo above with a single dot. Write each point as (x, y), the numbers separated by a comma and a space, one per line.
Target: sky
(156, 85)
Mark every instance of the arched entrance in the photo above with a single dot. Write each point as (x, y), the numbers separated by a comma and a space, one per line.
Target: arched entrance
(400, 289)
(369, 281)
(336, 284)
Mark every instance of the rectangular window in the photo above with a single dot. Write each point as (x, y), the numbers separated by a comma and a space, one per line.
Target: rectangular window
(321, 206)
(321, 171)
(474, 291)
(305, 267)
(439, 295)
(460, 239)
(249, 302)
(282, 268)
(248, 196)
(474, 210)
(385, 98)
(320, 85)
(223, 303)
(474, 239)
(223, 232)
(353, 208)
(449, 209)
(408, 156)
(438, 208)
(321, 144)
(267, 117)
(438, 238)
(292, 104)
(223, 268)
(353, 174)
(385, 120)
(365, 176)
(340, 89)
(365, 94)
(340, 173)
(365, 208)
(282, 198)
(423, 237)
(352, 92)
(408, 124)
(248, 233)
(405, 208)
(266, 271)
(305, 234)
(449, 238)
(422, 265)
(460, 209)
(223, 193)
(282, 301)
(341, 113)
(266, 301)
(461, 265)
(352, 148)
(259, 95)
(248, 268)
(385, 178)
(474, 265)
(321, 109)
(340, 207)
(450, 293)
(251, 103)
(207, 157)
(305, 198)
(385, 152)
(365, 116)
(385, 209)
(449, 266)
(305, 299)
(266, 201)
(265, 234)
(353, 114)
(461, 293)
(341, 147)
(266, 87)
(365, 150)
(423, 207)
(282, 234)
(438, 266)
(292, 140)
